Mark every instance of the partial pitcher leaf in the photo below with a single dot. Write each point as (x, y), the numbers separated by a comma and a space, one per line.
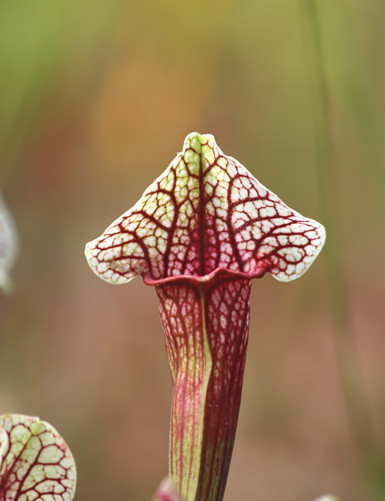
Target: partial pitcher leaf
(35, 462)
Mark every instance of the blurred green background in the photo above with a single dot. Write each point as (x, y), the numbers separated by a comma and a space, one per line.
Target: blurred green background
(95, 101)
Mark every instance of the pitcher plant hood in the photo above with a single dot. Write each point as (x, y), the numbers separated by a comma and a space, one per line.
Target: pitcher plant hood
(204, 214)
(200, 233)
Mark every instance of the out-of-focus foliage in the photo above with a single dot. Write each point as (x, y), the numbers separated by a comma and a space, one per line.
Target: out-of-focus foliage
(166, 492)
(8, 246)
(95, 100)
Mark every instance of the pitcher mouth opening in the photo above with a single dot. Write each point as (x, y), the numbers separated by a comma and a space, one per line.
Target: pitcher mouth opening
(218, 273)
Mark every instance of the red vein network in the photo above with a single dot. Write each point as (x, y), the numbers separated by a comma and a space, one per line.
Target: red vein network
(206, 213)
(35, 462)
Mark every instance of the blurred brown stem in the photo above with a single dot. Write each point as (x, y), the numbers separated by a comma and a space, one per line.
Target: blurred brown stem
(347, 357)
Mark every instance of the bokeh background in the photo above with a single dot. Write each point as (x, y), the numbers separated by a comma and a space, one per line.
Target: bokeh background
(95, 101)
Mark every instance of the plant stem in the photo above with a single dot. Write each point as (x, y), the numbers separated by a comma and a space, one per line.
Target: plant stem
(347, 357)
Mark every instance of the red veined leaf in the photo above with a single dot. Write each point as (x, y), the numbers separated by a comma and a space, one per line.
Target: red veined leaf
(35, 462)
